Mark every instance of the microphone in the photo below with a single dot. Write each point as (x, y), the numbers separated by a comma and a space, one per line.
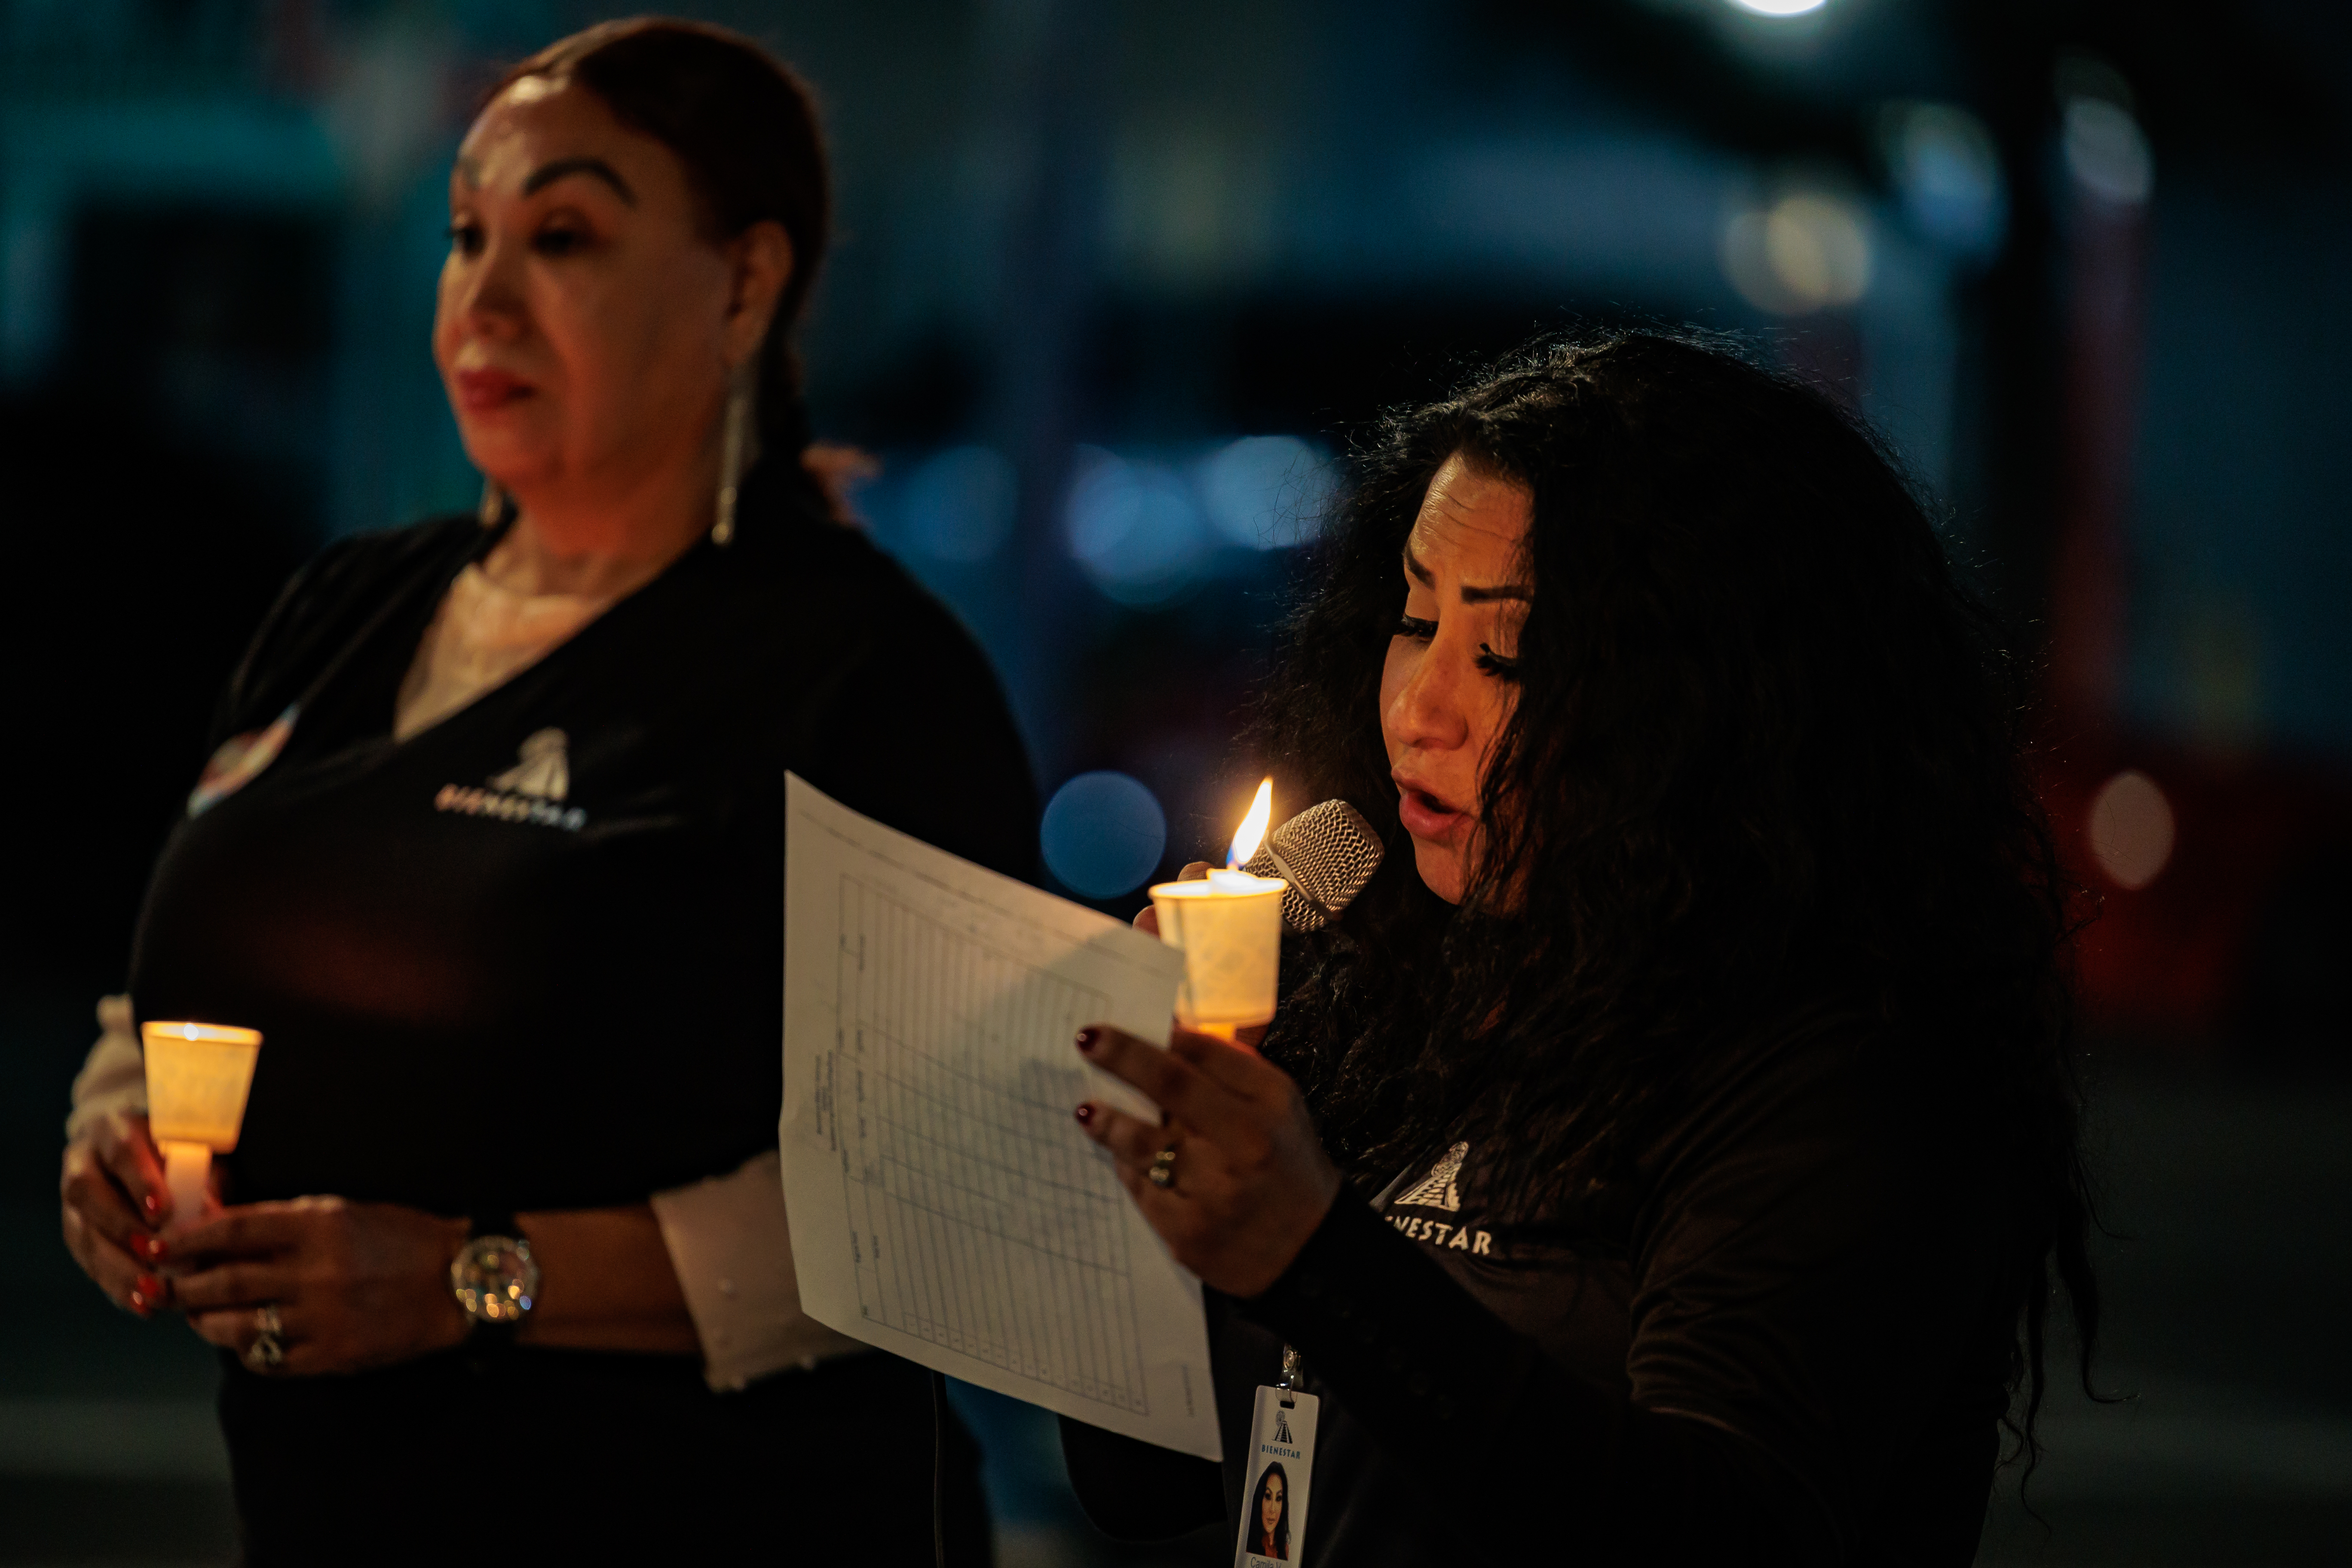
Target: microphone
(1327, 853)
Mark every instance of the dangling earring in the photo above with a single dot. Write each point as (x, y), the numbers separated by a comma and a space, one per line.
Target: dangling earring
(494, 502)
(733, 449)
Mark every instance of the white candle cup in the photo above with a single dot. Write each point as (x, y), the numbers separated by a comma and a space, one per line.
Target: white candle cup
(197, 1079)
(1229, 925)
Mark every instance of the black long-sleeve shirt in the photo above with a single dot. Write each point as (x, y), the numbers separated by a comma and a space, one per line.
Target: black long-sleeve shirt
(1780, 1343)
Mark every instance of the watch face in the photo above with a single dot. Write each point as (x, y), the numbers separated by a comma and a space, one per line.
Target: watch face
(495, 1278)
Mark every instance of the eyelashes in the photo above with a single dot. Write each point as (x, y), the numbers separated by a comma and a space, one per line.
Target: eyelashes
(1488, 660)
(556, 240)
(1496, 665)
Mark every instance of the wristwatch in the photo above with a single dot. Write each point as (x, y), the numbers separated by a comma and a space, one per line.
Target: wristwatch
(494, 1277)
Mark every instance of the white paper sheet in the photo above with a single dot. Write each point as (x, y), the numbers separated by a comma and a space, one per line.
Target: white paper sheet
(944, 1204)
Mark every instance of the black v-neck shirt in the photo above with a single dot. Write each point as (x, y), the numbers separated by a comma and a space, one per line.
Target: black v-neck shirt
(487, 985)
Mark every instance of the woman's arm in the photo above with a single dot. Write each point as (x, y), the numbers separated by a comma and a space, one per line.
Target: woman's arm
(1428, 1367)
(1258, 1212)
(1804, 1301)
(606, 1283)
(355, 1284)
(363, 1285)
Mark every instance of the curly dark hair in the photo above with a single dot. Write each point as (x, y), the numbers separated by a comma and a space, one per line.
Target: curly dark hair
(1766, 757)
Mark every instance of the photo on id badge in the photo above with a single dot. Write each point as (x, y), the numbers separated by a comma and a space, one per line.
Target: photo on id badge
(1281, 1460)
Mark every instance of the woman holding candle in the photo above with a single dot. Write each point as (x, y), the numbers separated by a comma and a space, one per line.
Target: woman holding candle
(490, 853)
(1683, 1126)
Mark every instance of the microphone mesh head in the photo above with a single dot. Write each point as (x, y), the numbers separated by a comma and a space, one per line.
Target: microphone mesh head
(1327, 853)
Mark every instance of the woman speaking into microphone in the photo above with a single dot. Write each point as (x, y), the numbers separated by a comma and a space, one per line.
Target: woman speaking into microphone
(1677, 1135)
(490, 852)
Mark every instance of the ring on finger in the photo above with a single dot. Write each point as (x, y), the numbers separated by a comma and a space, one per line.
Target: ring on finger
(267, 1350)
(1163, 1174)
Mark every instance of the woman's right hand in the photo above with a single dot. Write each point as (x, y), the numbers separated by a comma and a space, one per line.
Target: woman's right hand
(113, 1201)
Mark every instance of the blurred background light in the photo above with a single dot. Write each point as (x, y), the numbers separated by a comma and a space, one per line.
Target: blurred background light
(1103, 835)
(1946, 168)
(958, 505)
(1779, 8)
(1135, 527)
(1266, 492)
(2106, 151)
(2131, 829)
(1808, 251)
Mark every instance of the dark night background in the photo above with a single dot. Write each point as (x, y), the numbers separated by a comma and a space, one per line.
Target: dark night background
(1116, 284)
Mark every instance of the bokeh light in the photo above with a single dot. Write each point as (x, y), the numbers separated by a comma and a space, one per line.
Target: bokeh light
(2106, 151)
(1808, 251)
(2131, 829)
(1946, 168)
(1135, 527)
(1103, 835)
(959, 504)
(1266, 492)
(1779, 8)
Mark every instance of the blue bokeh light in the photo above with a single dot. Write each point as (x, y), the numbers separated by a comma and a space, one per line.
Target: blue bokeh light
(1266, 492)
(1135, 528)
(959, 505)
(1948, 168)
(1103, 835)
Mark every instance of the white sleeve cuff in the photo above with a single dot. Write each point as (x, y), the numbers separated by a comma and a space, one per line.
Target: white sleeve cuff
(114, 1076)
(729, 1241)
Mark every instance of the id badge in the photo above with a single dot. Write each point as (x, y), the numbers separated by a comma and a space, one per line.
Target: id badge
(1281, 1464)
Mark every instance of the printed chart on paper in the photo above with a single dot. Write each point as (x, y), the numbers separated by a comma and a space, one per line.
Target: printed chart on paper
(951, 1139)
(944, 1205)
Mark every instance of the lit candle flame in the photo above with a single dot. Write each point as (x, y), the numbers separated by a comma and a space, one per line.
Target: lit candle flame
(1253, 829)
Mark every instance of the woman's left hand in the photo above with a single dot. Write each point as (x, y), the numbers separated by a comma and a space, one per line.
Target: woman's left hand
(352, 1285)
(1249, 1181)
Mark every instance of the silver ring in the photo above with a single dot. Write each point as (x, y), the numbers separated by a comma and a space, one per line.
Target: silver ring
(267, 1352)
(1163, 1174)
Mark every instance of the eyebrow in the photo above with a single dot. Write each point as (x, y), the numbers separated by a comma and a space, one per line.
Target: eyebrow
(1470, 596)
(547, 175)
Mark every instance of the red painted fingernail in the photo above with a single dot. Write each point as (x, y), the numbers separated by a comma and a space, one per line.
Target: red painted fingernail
(150, 1247)
(1084, 1113)
(140, 1303)
(1089, 1038)
(150, 1202)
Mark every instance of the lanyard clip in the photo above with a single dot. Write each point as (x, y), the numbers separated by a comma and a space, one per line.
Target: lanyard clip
(1293, 1373)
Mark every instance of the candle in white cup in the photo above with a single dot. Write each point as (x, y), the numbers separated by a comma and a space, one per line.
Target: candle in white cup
(1229, 925)
(197, 1079)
